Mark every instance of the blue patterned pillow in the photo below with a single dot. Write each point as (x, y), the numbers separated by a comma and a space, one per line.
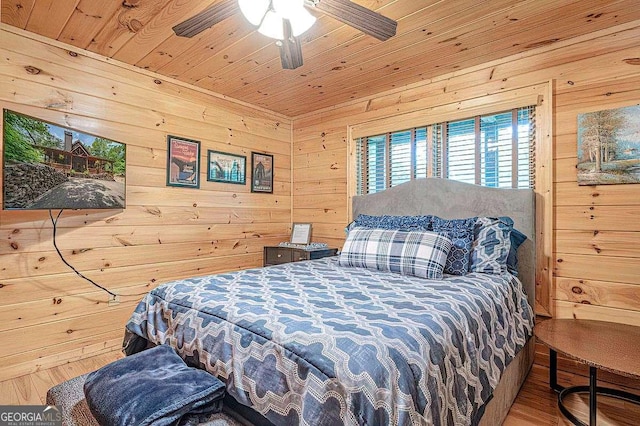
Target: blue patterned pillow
(403, 223)
(422, 254)
(517, 238)
(460, 232)
(491, 245)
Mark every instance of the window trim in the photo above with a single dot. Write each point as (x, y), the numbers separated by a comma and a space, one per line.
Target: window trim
(450, 112)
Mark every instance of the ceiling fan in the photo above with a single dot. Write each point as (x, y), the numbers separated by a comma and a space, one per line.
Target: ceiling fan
(285, 20)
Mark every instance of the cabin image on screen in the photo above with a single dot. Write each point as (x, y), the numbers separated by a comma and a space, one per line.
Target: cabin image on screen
(51, 167)
(75, 158)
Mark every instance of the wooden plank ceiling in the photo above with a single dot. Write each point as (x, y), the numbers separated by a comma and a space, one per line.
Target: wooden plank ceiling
(340, 63)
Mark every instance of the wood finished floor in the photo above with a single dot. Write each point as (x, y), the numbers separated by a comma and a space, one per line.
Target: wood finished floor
(535, 404)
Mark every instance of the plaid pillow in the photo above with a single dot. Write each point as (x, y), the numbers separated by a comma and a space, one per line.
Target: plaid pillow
(491, 246)
(422, 254)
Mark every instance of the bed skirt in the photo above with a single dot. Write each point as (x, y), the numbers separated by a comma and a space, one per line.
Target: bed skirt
(505, 393)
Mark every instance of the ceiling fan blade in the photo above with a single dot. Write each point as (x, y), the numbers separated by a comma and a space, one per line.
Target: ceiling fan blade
(206, 19)
(359, 17)
(290, 48)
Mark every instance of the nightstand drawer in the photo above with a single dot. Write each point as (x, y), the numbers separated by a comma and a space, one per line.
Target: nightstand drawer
(298, 255)
(277, 255)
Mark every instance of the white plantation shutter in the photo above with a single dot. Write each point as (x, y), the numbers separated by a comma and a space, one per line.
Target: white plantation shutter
(491, 150)
(422, 155)
(402, 154)
(373, 164)
(496, 150)
(437, 133)
(460, 148)
(526, 147)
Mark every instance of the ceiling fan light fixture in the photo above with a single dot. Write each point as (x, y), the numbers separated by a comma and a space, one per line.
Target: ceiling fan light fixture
(254, 10)
(301, 21)
(288, 9)
(269, 16)
(286, 20)
(272, 26)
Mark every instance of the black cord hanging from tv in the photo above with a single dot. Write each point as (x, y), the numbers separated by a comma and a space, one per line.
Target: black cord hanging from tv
(54, 222)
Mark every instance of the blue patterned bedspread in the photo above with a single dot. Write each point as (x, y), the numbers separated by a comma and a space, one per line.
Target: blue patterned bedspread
(318, 344)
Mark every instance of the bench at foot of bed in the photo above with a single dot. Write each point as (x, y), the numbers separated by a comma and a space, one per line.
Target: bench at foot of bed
(69, 397)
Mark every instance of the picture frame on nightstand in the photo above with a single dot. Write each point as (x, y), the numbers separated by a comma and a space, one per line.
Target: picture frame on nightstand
(301, 233)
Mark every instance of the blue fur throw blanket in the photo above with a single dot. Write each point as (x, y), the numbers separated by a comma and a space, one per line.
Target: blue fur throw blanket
(153, 387)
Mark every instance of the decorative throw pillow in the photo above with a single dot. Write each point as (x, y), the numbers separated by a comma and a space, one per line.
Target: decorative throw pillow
(421, 254)
(460, 232)
(517, 238)
(404, 223)
(491, 246)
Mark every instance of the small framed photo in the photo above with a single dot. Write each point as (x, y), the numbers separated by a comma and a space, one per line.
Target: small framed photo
(226, 168)
(262, 169)
(301, 233)
(183, 162)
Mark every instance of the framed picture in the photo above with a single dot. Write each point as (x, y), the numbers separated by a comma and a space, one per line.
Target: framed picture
(183, 162)
(609, 146)
(226, 168)
(301, 233)
(262, 169)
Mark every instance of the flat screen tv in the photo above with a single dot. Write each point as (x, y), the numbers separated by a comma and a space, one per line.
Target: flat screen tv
(52, 167)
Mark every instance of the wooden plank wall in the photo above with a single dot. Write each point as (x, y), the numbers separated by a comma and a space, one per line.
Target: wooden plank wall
(596, 230)
(47, 314)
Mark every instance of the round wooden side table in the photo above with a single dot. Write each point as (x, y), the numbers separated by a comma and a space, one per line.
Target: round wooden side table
(601, 345)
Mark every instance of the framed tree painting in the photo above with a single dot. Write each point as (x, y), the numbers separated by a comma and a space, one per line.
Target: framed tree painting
(183, 162)
(609, 146)
(226, 168)
(262, 169)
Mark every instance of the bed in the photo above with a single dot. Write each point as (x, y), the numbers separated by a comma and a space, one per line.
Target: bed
(318, 343)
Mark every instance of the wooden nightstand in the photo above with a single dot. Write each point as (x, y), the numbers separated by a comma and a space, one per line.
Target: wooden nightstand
(276, 255)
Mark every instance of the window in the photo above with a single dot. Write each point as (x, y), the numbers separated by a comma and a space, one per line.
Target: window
(494, 150)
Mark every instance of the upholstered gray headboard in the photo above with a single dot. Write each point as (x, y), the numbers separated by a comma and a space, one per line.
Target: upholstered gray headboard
(450, 199)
